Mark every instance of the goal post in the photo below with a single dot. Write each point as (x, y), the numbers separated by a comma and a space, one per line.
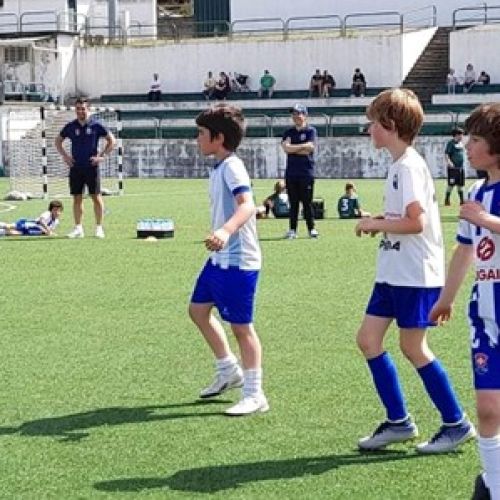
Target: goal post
(33, 162)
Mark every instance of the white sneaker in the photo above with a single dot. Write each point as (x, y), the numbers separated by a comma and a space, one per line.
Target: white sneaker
(291, 235)
(99, 232)
(248, 405)
(223, 382)
(313, 233)
(76, 233)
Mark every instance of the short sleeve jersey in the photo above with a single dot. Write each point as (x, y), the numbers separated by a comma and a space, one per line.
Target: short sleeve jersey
(455, 150)
(415, 260)
(348, 207)
(228, 179)
(486, 248)
(84, 140)
(300, 166)
(48, 220)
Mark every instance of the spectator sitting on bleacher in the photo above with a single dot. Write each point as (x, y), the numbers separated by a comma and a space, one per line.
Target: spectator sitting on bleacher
(316, 84)
(154, 93)
(233, 84)
(469, 78)
(242, 81)
(483, 78)
(358, 87)
(267, 83)
(328, 84)
(451, 81)
(348, 205)
(209, 86)
(222, 87)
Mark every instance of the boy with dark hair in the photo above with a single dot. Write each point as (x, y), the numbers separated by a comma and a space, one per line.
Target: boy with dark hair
(478, 241)
(348, 205)
(409, 277)
(454, 154)
(228, 280)
(44, 225)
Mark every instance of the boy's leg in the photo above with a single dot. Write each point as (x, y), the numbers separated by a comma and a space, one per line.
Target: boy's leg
(398, 426)
(229, 373)
(488, 411)
(293, 190)
(306, 189)
(253, 400)
(456, 428)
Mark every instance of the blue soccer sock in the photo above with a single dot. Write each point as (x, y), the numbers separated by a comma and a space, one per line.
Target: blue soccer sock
(438, 386)
(385, 377)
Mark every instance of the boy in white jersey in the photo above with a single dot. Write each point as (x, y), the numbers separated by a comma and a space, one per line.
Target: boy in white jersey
(229, 278)
(479, 242)
(410, 273)
(44, 225)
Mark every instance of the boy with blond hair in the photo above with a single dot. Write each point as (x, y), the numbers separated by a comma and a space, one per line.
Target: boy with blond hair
(228, 280)
(409, 277)
(478, 239)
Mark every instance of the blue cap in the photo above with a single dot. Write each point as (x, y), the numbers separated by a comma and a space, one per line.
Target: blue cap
(299, 108)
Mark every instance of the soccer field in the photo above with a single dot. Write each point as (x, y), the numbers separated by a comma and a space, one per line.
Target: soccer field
(101, 366)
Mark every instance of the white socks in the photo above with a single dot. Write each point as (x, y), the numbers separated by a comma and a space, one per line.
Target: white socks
(252, 382)
(226, 364)
(489, 449)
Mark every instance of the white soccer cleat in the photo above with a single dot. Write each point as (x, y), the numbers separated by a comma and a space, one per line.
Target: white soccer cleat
(99, 232)
(449, 438)
(313, 233)
(290, 235)
(223, 382)
(76, 233)
(249, 405)
(387, 433)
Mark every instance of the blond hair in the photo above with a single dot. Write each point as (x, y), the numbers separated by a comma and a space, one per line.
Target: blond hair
(399, 110)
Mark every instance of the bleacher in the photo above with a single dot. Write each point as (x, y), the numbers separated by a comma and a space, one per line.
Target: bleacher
(338, 116)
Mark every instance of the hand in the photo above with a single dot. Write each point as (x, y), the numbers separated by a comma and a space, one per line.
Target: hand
(217, 240)
(68, 160)
(472, 211)
(367, 225)
(440, 312)
(95, 160)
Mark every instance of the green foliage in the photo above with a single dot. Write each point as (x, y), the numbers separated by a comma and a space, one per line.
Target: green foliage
(101, 365)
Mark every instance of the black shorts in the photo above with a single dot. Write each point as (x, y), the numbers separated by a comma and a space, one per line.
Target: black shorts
(79, 177)
(456, 176)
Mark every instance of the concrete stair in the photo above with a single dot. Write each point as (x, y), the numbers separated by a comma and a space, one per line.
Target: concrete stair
(430, 71)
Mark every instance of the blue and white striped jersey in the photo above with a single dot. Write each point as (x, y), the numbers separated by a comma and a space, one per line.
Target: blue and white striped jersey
(484, 310)
(227, 179)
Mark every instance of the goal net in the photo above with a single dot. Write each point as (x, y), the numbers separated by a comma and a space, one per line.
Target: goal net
(30, 146)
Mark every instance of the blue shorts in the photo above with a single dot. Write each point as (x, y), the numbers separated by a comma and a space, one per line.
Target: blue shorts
(28, 227)
(232, 291)
(485, 362)
(409, 306)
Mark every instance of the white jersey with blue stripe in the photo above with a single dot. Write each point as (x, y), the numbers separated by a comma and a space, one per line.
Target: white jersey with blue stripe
(484, 309)
(228, 179)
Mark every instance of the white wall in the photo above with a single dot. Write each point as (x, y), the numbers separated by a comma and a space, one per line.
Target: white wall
(466, 46)
(244, 9)
(414, 43)
(183, 66)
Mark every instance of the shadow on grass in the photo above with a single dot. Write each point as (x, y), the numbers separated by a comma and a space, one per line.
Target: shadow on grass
(72, 427)
(213, 479)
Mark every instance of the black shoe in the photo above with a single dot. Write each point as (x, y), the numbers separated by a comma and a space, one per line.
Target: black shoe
(481, 491)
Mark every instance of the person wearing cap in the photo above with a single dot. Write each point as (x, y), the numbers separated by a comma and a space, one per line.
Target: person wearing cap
(299, 144)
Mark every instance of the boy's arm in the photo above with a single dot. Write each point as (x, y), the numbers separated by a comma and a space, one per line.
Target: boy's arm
(411, 223)
(474, 212)
(246, 208)
(459, 265)
(298, 149)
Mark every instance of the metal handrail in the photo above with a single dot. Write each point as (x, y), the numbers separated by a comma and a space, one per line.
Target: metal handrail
(256, 21)
(482, 10)
(373, 14)
(290, 20)
(15, 23)
(71, 19)
(33, 13)
(433, 17)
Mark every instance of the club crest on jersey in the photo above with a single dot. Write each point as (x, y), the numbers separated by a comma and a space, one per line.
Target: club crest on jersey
(481, 363)
(89, 131)
(302, 137)
(395, 181)
(485, 249)
(77, 132)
